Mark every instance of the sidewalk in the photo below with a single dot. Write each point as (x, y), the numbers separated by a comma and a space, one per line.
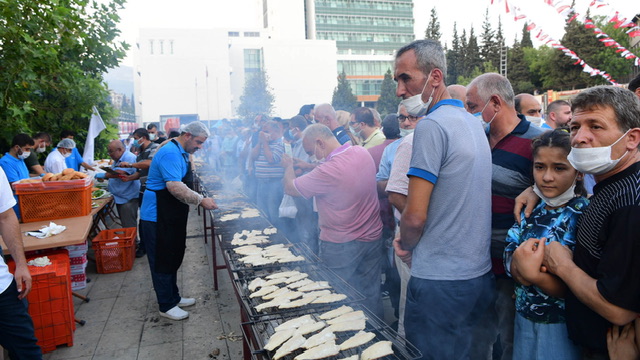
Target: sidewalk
(122, 320)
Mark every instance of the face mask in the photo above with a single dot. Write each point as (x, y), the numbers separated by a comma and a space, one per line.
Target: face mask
(41, 149)
(596, 160)
(135, 143)
(355, 132)
(152, 137)
(415, 106)
(405, 132)
(24, 155)
(560, 199)
(535, 120)
(66, 155)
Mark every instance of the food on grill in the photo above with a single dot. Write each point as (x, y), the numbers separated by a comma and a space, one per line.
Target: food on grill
(300, 283)
(316, 294)
(285, 274)
(320, 352)
(296, 278)
(273, 303)
(228, 217)
(325, 299)
(248, 250)
(289, 346)
(295, 323)
(248, 237)
(309, 328)
(319, 338)
(377, 350)
(283, 293)
(336, 312)
(347, 317)
(354, 325)
(278, 338)
(264, 291)
(353, 357)
(358, 339)
(269, 231)
(276, 281)
(297, 303)
(250, 213)
(256, 283)
(270, 255)
(317, 285)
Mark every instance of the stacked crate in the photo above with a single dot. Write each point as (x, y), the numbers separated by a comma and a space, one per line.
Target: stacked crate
(78, 260)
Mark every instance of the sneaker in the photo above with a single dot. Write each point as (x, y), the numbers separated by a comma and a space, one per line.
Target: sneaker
(175, 313)
(184, 302)
(140, 252)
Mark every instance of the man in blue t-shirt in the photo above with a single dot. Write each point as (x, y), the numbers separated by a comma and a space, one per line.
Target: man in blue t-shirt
(164, 214)
(13, 161)
(74, 160)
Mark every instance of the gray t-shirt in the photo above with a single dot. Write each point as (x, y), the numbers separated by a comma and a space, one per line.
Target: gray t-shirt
(450, 150)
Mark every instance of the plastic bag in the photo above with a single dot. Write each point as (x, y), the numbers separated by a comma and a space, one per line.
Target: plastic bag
(287, 207)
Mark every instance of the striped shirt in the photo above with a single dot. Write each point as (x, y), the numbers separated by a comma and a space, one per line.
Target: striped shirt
(512, 171)
(270, 170)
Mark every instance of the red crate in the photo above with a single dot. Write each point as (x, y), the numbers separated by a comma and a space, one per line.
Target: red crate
(50, 302)
(50, 204)
(115, 250)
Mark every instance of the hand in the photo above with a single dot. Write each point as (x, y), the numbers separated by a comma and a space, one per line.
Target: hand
(527, 199)
(23, 281)
(264, 137)
(621, 343)
(124, 164)
(208, 204)
(527, 260)
(556, 255)
(286, 161)
(404, 255)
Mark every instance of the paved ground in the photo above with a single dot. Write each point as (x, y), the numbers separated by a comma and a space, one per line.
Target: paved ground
(122, 320)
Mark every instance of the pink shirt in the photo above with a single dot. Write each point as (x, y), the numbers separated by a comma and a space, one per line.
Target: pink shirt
(346, 195)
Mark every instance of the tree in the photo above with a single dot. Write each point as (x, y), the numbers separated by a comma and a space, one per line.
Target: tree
(490, 49)
(471, 55)
(454, 57)
(343, 98)
(53, 56)
(256, 97)
(526, 37)
(433, 29)
(388, 101)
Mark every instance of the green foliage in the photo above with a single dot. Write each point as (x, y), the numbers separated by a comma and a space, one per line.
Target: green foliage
(388, 101)
(454, 57)
(53, 54)
(343, 98)
(257, 97)
(526, 37)
(433, 29)
(477, 71)
(472, 57)
(490, 49)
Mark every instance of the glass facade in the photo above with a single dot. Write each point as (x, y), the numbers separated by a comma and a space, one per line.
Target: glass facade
(253, 61)
(363, 67)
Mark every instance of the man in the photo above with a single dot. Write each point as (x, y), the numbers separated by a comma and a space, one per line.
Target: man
(602, 273)
(510, 137)
(147, 150)
(16, 327)
(41, 141)
(407, 124)
(266, 156)
(527, 105)
(558, 115)
(74, 160)
(364, 126)
(445, 226)
(326, 115)
(634, 85)
(154, 134)
(164, 214)
(308, 112)
(306, 221)
(125, 193)
(55, 161)
(13, 161)
(345, 191)
(458, 92)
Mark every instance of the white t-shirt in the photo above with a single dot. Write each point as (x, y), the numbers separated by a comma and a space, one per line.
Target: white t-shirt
(55, 162)
(7, 202)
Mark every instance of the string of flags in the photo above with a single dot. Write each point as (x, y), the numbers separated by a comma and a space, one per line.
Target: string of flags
(542, 36)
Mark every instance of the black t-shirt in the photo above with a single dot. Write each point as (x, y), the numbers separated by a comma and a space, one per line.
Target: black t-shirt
(608, 250)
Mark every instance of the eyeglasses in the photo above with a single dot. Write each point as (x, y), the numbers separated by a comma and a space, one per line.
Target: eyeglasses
(402, 118)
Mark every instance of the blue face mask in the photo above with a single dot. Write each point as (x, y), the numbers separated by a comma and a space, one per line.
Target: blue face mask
(135, 143)
(290, 134)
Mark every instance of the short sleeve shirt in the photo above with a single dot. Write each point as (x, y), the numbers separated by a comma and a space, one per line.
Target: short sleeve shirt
(14, 169)
(7, 201)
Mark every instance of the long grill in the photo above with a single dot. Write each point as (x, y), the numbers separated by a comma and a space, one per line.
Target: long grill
(236, 265)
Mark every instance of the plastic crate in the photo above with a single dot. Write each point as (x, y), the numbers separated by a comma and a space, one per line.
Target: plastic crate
(50, 302)
(115, 250)
(48, 203)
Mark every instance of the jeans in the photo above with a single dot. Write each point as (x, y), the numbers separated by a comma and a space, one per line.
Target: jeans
(536, 341)
(358, 263)
(440, 314)
(165, 285)
(270, 192)
(16, 327)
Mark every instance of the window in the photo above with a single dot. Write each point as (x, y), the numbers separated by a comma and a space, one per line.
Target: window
(171, 47)
(252, 60)
(251, 34)
(151, 47)
(234, 33)
(161, 46)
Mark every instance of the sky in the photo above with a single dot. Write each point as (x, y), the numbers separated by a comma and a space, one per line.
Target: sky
(246, 13)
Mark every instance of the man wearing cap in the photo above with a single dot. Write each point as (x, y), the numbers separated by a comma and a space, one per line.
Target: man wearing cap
(75, 160)
(164, 214)
(55, 162)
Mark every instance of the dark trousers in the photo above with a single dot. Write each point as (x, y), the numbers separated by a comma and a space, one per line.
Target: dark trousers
(165, 285)
(16, 327)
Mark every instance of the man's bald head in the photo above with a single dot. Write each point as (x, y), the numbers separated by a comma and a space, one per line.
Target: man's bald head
(325, 114)
(458, 92)
(527, 105)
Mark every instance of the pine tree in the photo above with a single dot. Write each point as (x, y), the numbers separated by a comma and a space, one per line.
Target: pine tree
(454, 57)
(388, 101)
(343, 98)
(256, 97)
(518, 69)
(526, 37)
(462, 56)
(433, 29)
(490, 49)
(472, 55)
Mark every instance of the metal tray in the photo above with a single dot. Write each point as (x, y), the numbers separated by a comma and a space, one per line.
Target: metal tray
(261, 330)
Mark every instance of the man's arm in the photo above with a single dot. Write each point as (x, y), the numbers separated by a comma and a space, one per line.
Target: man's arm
(558, 260)
(38, 169)
(289, 176)
(188, 196)
(414, 215)
(87, 166)
(399, 201)
(10, 231)
(382, 185)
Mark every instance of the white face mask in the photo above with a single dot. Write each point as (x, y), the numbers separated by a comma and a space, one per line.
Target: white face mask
(595, 160)
(355, 132)
(41, 149)
(415, 106)
(558, 200)
(66, 155)
(535, 120)
(24, 155)
(152, 137)
(405, 132)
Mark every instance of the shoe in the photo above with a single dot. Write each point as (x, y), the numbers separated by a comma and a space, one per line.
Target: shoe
(140, 252)
(175, 313)
(184, 302)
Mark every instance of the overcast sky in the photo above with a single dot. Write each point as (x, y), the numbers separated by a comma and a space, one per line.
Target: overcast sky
(245, 13)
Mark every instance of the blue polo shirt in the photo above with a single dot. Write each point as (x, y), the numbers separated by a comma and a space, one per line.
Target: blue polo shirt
(168, 164)
(74, 160)
(123, 191)
(16, 170)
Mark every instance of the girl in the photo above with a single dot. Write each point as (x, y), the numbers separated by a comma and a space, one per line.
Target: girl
(540, 331)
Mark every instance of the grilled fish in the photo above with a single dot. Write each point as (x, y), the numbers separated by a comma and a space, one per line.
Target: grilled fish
(297, 303)
(289, 346)
(309, 328)
(320, 352)
(278, 338)
(273, 303)
(285, 274)
(315, 294)
(377, 350)
(300, 283)
(336, 312)
(318, 285)
(256, 283)
(296, 278)
(353, 325)
(295, 323)
(280, 292)
(347, 317)
(325, 299)
(264, 291)
(319, 338)
(358, 339)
